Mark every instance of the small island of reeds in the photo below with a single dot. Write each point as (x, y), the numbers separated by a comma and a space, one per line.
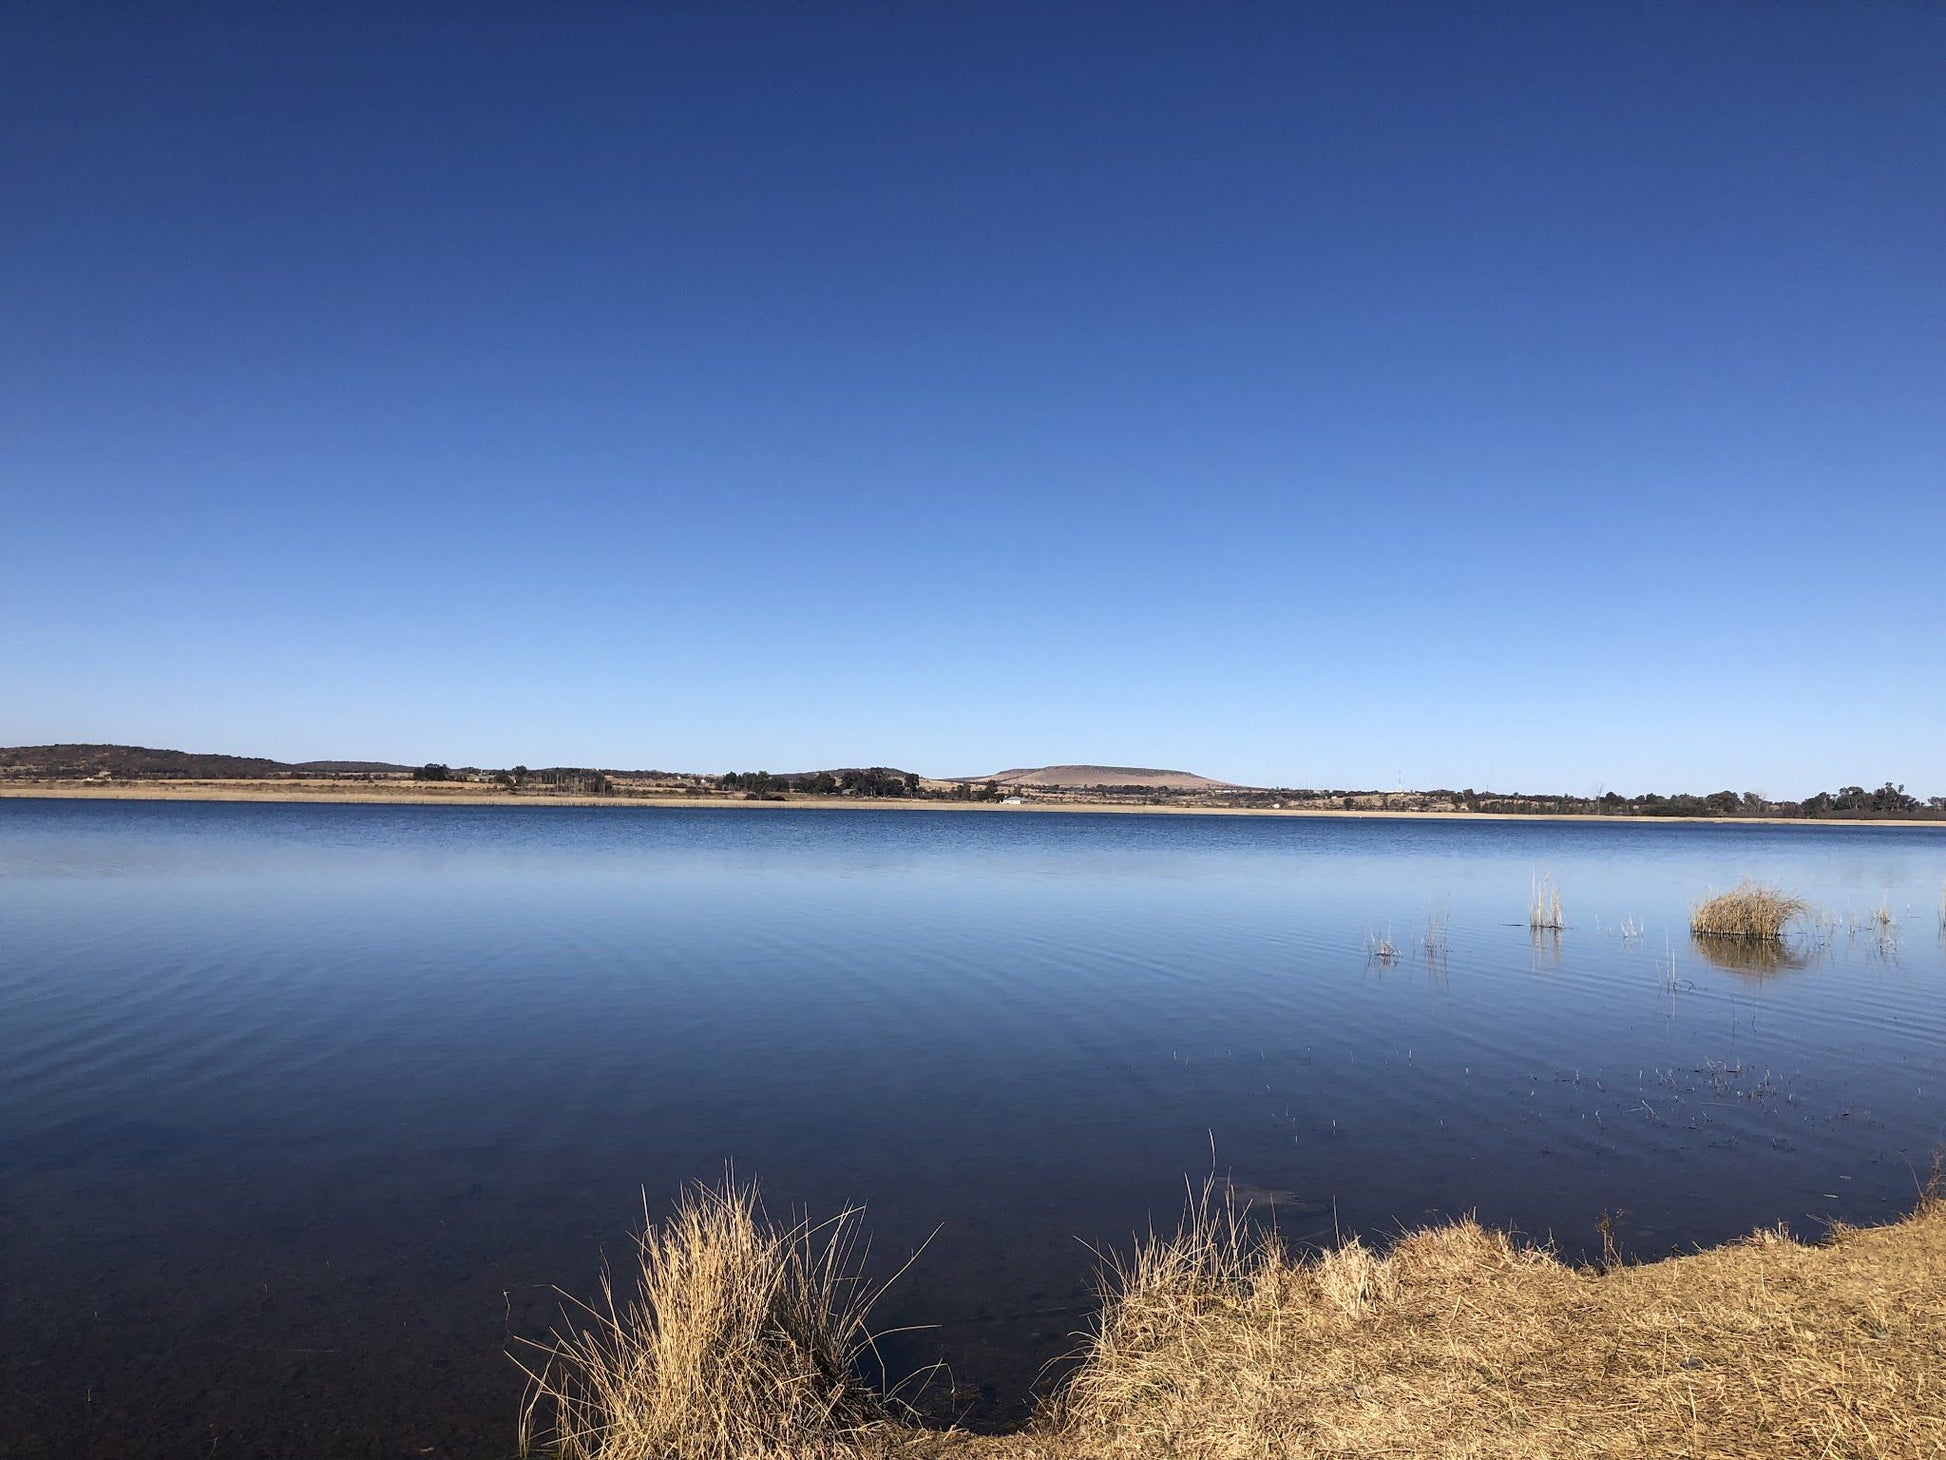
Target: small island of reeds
(1748, 910)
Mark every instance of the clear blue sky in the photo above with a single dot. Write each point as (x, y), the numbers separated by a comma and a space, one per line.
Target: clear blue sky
(1527, 395)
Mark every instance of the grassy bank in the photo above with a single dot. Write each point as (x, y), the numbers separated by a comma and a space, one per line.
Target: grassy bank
(1218, 1344)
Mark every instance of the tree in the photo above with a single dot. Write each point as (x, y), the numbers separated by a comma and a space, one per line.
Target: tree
(1889, 797)
(433, 771)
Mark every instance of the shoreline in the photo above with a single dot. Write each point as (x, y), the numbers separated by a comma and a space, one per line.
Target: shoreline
(1450, 1340)
(340, 793)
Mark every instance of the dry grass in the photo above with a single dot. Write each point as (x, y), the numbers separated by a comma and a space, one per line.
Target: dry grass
(1216, 1343)
(1748, 910)
(743, 1339)
(1544, 907)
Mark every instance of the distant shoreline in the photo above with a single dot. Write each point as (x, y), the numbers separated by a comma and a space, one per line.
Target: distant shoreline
(422, 794)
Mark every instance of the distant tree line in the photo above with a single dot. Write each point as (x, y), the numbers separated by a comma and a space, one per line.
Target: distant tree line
(1888, 800)
(879, 781)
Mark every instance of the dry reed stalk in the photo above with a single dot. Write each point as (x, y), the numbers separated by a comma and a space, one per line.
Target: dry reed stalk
(1435, 942)
(1544, 909)
(1748, 910)
(743, 1339)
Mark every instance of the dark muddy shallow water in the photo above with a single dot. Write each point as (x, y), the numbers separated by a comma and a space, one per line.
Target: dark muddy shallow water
(304, 1108)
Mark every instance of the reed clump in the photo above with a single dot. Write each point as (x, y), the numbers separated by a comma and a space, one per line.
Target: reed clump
(1748, 910)
(742, 1338)
(1544, 906)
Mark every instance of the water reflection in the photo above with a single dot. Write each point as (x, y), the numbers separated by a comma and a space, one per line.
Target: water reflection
(1755, 957)
(1544, 946)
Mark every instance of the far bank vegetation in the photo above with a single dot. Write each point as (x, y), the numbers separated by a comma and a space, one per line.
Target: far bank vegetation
(104, 766)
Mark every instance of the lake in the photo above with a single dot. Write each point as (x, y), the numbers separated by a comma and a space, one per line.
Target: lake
(305, 1109)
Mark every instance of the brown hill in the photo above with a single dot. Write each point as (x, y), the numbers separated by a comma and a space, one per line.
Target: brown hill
(1070, 777)
(351, 767)
(139, 762)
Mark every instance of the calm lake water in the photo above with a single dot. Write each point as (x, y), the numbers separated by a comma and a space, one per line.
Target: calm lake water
(303, 1110)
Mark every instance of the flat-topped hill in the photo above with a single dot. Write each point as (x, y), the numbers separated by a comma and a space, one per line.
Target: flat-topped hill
(1075, 776)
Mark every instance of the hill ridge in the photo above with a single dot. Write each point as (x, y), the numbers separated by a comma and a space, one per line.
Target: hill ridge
(86, 760)
(1084, 774)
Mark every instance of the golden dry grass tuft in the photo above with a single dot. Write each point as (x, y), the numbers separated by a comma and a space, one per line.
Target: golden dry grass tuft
(1458, 1342)
(1748, 910)
(744, 1338)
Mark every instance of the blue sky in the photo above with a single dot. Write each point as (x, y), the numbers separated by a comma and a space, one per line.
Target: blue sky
(1528, 396)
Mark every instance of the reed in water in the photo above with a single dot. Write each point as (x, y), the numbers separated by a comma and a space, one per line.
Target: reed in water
(1544, 907)
(1748, 910)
